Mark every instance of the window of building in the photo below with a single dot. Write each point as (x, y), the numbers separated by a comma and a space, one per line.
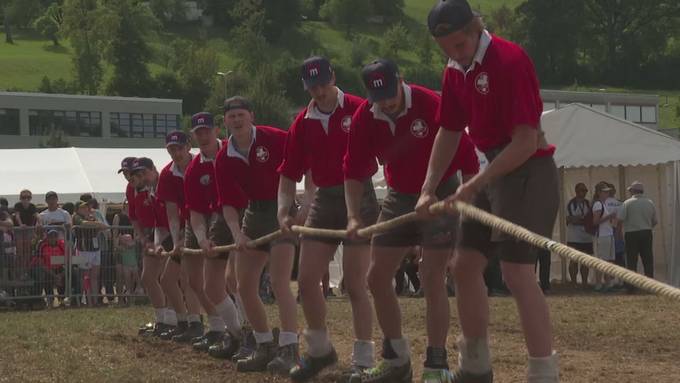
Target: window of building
(618, 111)
(649, 115)
(548, 106)
(145, 125)
(9, 121)
(633, 113)
(72, 123)
(600, 107)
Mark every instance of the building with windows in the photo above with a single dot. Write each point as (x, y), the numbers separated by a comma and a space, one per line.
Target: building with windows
(26, 119)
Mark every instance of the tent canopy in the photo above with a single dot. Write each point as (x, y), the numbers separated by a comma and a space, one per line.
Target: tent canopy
(587, 137)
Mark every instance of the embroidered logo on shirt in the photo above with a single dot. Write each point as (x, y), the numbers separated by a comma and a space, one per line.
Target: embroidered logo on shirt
(419, 128)
(482, 83)
(262, 154)
(346, 123)
(205, 180)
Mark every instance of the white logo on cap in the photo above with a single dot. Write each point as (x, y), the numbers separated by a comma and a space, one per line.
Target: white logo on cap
(346, 123)
(205, 180)
(313, 72)
(419, 128)
(378, 83)
(262, 154)
(482, 83)
(201, 121)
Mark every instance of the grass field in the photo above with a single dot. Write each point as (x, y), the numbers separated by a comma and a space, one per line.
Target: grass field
(600, 339)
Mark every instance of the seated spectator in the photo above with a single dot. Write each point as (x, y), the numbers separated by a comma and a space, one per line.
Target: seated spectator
(129, 257)
(45, 270)
(53, 215)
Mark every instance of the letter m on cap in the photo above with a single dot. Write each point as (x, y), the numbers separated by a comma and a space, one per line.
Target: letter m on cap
(313, 70)
(201, 120)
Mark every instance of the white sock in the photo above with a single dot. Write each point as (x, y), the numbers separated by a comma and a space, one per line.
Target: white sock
(544, 370)
(474, 355)
(192, 318)
(263, 337)
(363, 353)
(170, 317)
(400, 347)
(286, 338)
(243, 319)
(181, 317)
(227, 311)
(216, 323)
(318, 342)
(160, 315)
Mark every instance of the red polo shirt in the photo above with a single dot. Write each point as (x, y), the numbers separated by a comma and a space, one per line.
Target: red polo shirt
(171, 188)
(254, 178)
(160, 214)
(144, 209)
(130, 196)
(313, 145)
(404, 146)
(499, 92)
(200, 189)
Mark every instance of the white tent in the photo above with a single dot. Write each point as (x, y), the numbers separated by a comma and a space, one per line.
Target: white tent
(593, 146)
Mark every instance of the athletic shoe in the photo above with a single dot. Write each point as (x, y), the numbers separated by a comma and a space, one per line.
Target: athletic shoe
(436, 375)
(209, 339)
(146, 327)
(384, 372)
(157, 330)
(258, 361)
(194, 330)
(180, 329)
(226, 348)
(248, 345)
(466, 377)
(287, 357)
(308, 367)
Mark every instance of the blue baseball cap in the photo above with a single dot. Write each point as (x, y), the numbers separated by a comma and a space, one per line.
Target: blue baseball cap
(202, 120)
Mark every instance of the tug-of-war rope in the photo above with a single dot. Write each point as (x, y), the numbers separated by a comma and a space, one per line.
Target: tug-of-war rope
(469, 211)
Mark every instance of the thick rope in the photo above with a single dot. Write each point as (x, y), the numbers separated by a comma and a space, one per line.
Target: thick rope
(469, 211)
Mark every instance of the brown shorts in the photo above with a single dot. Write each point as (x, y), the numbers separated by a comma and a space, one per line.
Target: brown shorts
(437, 233)
(260, 219)
(218, 232)
(328, 211)
(529, 197)
(167, 243)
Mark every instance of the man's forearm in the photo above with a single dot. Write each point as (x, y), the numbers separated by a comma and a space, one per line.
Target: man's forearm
(353, 191)
(174, 222)
(286, 194)
(232, 219)
(443, 150)
(198, 226)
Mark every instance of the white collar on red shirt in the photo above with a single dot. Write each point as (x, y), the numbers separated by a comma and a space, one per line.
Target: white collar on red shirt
(231, 149)
(408, 101)
(484, 42)
(174, 169)
(314, 113)
(206, 159)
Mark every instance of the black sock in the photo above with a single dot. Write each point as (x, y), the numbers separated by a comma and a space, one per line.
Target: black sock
(436, 358)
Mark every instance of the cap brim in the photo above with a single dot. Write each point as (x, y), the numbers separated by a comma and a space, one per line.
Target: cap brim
(169, 144)
(195, 128)
(122, 170)
(382, 95)
(317, 81)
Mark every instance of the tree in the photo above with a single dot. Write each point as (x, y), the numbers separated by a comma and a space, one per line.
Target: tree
(390, 9)
(50, 23)
(395, 39)
(345, 13)
(168, 11)
(425, 50)
(80, 26)
(197, 73)
(220, 11)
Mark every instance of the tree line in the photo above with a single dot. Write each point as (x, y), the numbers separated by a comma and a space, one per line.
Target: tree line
(623, 43)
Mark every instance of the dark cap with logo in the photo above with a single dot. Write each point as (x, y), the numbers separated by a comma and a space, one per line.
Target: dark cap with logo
(237, 102)
(50, 194)
(201, 120)
(449, 16)
(381, 78)
(316, 70)
(126, 164)
(142, 163)
(176, 137)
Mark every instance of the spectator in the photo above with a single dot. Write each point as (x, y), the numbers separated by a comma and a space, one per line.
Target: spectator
(107, 269)
(121, 225)
(129, 265)
(603, 217)
(543, 262)
(47, 273)
(86, 197)
(7, 246)
(638, 214)
(408, 272)
(69, 207)
(614, 206)
(86, 230)
(26, 217)
(4, 204)
(53, 215)
(578, 237)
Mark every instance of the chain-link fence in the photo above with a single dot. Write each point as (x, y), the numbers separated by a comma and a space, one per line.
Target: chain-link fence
(58, 266)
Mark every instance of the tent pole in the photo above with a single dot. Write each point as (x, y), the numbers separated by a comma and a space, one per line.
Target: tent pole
(562, 223)
(661, 226)
(622, 182)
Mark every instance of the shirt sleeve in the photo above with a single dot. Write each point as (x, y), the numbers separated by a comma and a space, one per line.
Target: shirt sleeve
(293, 165)
(450, 114)
(527, 105)
(597, 206)
(359, 162)
(165, 191)
(466, 157)
(229, 192)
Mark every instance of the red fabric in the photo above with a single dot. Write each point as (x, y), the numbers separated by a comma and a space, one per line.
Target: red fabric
(493, 98)
(239, 181)
(171, 189)
(200, 188)
(46, 252)
(130, 196)
(308, 146)
(144, 209)
(405, 153)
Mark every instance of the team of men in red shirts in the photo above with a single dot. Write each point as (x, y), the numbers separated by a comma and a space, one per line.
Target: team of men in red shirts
(244, 187)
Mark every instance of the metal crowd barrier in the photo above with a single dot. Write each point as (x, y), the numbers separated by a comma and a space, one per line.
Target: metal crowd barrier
(81, 266)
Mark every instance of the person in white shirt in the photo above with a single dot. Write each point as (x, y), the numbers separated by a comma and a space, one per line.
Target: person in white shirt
(54, 215)
(577, 236)
(604, 217)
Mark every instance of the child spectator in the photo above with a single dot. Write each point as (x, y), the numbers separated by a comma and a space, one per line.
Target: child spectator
(47, 272)
(130, 264)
